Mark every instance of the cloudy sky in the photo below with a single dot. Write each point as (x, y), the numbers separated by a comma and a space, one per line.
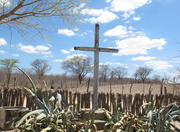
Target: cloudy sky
(146, 32)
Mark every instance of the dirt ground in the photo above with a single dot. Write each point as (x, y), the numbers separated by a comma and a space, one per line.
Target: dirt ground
(136, 88)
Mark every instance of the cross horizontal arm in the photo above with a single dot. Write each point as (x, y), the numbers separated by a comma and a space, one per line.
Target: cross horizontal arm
(96, 49)
(108, 50)
(84, 48)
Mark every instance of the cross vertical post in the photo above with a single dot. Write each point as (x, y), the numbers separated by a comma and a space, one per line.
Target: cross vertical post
(96, 68)
(96, 51)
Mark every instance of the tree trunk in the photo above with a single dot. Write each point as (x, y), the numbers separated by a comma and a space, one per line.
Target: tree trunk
(80, 79)
(143, 80)
(110, 87)
(130, 89)
(8, 78)
(143, 87)
(88, 85)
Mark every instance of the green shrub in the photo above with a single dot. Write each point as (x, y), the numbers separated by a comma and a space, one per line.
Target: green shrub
(49, 115)
(154, 120)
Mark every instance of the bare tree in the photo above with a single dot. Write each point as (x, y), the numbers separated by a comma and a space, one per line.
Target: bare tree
(30, 13)
(79, 65)
(121, 72)
(142, 73)
(104, 72)
(7, 66)
(21, 78)
(156, 78)
(112, 75)
(178, 72)
(40, 67)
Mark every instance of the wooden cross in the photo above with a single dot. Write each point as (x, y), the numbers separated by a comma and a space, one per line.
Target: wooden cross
(96, 51)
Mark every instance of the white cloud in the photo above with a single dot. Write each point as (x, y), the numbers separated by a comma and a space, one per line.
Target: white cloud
(175, 74)
(126, 5)
(143, 58)
(50, 45)
(48, 56)
(175, 60)
(158, 65)
(76, 29)
(46, 53)
(70, 57)
(16, 55)
(27, 48)
(138, 45)
(114, 64)
(40, 49)
(118, 31)
(85, 33)
(121, 31)
(66, 32)
(77, 55)
(2, 52)
(105, 40)
(77, 9)
(58, 60)
(136, 18)
(128, 14)
(5, 3)
(66, 51)
(99, 15)
(2, 42)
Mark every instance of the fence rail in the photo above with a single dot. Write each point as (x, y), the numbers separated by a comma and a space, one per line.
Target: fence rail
(131, 103)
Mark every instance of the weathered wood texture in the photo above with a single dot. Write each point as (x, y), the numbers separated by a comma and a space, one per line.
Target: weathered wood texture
(131, 103)
(96, 51)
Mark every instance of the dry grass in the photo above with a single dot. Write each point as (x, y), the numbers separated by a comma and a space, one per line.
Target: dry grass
(137, 88)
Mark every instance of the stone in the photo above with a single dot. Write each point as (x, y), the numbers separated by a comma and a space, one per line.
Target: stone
(99, 124)
(88, 114)
(99, 116)
(8, 114)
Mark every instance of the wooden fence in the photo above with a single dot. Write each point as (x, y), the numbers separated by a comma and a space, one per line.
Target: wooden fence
(131, 103)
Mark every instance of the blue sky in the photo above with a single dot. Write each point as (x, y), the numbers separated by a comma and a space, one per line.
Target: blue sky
(146, 32)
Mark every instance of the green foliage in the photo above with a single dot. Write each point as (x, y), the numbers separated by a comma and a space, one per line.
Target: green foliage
(125, 122)
(49, 115)
(161, 119)
(39, 121)
(154, 120)
(79, 65)
(7, 66)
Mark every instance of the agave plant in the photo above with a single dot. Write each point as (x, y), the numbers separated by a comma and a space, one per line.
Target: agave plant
(125, 122)
(128, 123)
(154, 120)
(161, 119)
(49, 115)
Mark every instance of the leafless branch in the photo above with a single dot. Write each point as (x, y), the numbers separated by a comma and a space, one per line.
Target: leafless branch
(27, 12)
